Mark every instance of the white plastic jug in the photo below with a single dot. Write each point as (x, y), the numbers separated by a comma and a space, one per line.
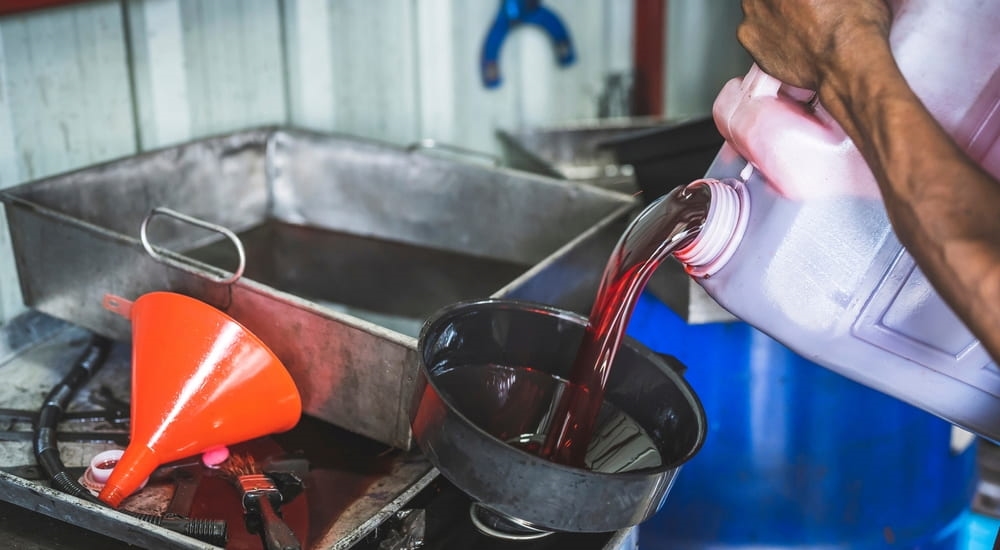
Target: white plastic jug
(805, 251)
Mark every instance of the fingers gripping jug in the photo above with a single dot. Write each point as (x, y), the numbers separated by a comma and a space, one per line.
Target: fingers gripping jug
(808, 254)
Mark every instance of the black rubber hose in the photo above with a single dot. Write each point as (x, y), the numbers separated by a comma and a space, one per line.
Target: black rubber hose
(212, 531)
(47, 451)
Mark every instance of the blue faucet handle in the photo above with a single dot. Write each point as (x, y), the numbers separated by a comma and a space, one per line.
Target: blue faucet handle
(513, 13)
(561, 41)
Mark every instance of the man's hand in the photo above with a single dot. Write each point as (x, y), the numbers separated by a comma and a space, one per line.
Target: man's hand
(804, 42)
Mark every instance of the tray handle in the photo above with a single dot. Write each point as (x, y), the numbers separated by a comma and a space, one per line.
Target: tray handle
(162, 210)
(429, 143)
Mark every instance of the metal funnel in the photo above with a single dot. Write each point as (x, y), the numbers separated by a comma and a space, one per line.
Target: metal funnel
(493, 370)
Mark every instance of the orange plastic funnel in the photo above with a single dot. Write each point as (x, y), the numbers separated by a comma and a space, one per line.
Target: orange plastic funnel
(199, 380)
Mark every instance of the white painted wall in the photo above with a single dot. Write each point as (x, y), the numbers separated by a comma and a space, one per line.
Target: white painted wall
(702, 53)
(65, 102)
(403, 70)
(205, 67)
(100, 80)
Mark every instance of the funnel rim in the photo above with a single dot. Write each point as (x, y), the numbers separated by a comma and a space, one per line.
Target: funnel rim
(689, 395)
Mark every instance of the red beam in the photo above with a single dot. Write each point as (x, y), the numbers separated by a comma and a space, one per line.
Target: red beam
(16, 6)
(650, 31)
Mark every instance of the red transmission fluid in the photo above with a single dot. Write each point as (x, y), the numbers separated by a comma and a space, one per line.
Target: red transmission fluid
(661, 229)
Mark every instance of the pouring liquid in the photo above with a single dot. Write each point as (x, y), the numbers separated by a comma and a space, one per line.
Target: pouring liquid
(661, 229)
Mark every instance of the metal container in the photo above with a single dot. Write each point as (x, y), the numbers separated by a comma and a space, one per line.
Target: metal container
(575, 151)
(602, 153)
(348, 245)
(494, 370)
(669, 156)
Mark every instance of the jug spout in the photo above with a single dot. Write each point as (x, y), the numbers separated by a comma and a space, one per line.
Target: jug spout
(728, 212)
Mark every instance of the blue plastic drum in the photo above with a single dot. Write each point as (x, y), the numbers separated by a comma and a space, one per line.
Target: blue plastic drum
(798, 456)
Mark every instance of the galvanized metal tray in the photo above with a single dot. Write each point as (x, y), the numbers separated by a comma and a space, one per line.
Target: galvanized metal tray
(308, 209)
(575, 151)
(349, 244)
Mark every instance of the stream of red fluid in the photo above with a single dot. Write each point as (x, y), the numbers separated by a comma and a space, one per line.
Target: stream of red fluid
(664, 227)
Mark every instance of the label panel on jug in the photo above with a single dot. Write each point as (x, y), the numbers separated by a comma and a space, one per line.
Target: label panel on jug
(906, 317)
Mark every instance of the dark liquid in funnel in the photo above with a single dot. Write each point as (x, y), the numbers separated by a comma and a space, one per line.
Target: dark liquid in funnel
(510, 403)
(662, 228)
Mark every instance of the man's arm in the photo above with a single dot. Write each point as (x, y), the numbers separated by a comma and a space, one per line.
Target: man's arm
(944, 208)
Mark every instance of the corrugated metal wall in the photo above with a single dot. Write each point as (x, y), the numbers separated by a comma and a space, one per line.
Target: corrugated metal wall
(100, 80)
(701, 53)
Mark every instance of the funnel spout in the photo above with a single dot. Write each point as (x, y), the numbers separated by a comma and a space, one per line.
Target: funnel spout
(133, 469)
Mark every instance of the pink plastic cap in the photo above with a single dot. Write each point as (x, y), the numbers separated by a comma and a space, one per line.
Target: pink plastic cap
(722, 232)
(100, 468)
(215, 456)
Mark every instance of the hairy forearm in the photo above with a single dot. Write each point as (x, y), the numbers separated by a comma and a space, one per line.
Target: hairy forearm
(944, 208)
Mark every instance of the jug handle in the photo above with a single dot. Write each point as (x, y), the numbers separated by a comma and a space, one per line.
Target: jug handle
(772, 101)
(757, 83)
